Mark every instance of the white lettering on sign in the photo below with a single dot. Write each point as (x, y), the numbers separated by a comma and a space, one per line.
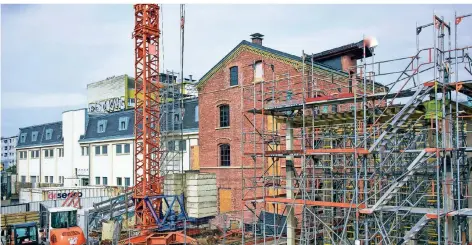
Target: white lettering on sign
(108, 105)
(62, 195)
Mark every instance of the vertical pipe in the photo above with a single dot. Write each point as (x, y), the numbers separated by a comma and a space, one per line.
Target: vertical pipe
(443, 130)
(255, 149)
(289, 184)
(364, 160)
(356, 222)
(243, 140)
(456, 75)
(263, 151)
(437, 133)
(304, 180)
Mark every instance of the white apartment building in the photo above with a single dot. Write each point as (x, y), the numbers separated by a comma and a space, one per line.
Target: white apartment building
(8, 145)
(47, 153)
(97, 149)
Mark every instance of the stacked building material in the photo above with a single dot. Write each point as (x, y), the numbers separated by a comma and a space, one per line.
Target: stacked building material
(201, 194)
(19, 218)
(173, 185)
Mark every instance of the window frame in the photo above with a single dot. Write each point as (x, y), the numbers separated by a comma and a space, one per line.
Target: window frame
(222, 114)
(49, 132)
(60, 152)
(97, 180)
(124, 121)
(23, 137)
(119, 181)
(48, 153)
(127, 179)
(129, 148)
(233, 76)
(105, 180)
(101, 126)
(222, 153)
(34, 154)
(102, 150)
(118, 146)
(86, 152)
(23, 155)
(34, 136)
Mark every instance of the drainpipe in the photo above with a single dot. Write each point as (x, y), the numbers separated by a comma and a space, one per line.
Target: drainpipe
(90, 160)
(40, 165)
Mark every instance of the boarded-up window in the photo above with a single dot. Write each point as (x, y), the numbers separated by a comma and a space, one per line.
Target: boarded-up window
(225, 200)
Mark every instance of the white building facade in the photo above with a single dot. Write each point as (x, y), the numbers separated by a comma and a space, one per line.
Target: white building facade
(8, 145)
(97, 149)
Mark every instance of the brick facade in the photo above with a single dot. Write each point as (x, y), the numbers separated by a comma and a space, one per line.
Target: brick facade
(216, 91)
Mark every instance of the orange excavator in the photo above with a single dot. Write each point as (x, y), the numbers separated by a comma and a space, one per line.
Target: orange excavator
(58, 226)
(61, 227)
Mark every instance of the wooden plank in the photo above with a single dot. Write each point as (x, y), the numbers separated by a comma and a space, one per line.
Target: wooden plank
(195, 161)
(225, 200)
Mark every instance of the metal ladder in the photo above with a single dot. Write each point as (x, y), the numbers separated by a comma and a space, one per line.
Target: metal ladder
(411, 170)
(402, 116)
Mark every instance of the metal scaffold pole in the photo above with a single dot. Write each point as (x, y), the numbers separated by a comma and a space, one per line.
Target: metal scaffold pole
(370, 153)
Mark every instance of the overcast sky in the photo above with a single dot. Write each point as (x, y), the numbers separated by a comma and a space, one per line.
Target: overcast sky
(51, 52)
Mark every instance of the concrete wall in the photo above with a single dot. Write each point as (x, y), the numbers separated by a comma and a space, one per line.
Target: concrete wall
(107, 95)
(73, 126)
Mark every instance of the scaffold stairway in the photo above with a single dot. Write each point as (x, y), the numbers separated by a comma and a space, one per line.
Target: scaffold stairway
(415, 229)
(395, 187)
(403, 115)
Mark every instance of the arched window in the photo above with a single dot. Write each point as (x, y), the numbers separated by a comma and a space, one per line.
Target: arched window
(225, 155)
(224, 115)
(258, 70)
(233, 76)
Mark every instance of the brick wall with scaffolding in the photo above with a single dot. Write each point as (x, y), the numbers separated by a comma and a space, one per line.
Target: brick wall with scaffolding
(342, 160)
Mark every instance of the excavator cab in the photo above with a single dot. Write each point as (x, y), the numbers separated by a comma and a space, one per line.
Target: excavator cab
(63, 228)
(26, 233)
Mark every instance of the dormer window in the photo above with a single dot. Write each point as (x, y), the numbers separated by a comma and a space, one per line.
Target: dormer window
(49, 134)
(34, 136)
(23, 138)
(101, 126)
(123, 123)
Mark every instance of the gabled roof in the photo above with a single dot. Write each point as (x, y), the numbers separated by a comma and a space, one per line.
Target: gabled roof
(245, 45)
(56, 137)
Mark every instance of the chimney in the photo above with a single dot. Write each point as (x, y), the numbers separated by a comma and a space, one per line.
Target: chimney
(257, 38)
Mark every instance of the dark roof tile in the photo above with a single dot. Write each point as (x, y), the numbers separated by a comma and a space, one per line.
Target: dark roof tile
(41, 138)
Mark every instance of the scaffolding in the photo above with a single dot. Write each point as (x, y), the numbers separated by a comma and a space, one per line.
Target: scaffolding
(175, 94)
(351, 158)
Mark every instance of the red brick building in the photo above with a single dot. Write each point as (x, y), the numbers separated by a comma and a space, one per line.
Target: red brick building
(221, 105)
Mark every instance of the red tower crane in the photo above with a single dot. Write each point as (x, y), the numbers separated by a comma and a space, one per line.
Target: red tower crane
(147, 152)
(148, 190)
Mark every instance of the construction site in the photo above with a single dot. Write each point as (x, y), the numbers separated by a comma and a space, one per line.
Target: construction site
(378, 153)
